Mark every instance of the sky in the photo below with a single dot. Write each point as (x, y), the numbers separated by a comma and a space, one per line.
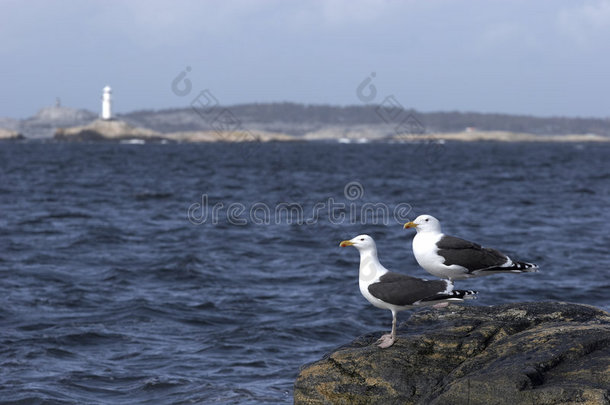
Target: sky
(543, 58)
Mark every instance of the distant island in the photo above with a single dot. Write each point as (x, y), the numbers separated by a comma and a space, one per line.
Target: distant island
(301, 122)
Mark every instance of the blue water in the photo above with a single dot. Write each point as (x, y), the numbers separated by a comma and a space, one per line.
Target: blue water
(174, 274)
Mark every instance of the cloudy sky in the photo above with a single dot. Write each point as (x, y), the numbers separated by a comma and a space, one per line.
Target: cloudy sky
(544, 57)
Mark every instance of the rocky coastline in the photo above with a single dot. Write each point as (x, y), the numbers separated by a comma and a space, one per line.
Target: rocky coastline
(287, 123)
(10, 135)
(109, 130)
(116, 130)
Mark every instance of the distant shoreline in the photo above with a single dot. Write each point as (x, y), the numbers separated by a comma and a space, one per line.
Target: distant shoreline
(301, 122)
(121, 131)
(504, 136)
(209, 137)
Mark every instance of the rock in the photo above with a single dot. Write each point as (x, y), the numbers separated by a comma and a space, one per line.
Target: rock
(48, 119)
(100, 130)
(117, 130)
(526, 353)
(353, 133)
(62, 115)
(500, 136)
(228, 136)
(9, 135)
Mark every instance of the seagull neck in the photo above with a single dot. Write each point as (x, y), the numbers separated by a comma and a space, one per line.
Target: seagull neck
(428, 231)
(369, 264)
(370, 253)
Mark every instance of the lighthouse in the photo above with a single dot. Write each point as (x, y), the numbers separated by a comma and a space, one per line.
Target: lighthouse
(107, 103)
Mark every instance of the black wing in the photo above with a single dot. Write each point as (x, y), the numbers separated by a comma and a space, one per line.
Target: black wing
(398, 289)
(469, 255)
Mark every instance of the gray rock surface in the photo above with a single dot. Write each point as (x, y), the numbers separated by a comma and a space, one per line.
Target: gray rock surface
(525, 353)
(9, 134)
(48, 119)
(105, 130)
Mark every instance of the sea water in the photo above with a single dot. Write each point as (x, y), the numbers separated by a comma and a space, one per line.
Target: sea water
(210, 273)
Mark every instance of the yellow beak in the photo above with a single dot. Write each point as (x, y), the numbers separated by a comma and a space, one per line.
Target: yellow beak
(410, 225)
(345, 243)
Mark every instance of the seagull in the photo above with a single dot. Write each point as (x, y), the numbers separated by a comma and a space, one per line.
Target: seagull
(398, 292)
(453, 258)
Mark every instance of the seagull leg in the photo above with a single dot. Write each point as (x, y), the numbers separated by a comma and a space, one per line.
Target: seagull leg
(440, 305)
(388, 340)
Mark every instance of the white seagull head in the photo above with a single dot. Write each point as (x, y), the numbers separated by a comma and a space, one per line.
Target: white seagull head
(425, 223)
(360, 242)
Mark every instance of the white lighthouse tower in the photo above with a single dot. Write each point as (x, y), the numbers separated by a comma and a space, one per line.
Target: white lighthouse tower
(107, 103)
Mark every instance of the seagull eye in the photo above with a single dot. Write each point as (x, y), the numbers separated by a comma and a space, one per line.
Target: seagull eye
(362, 239)
(427, 219)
